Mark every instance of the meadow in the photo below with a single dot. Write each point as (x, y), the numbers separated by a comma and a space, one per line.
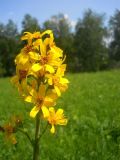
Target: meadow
(92, 105)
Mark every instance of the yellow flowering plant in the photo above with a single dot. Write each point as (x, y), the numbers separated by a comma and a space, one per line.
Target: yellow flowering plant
(40, 81)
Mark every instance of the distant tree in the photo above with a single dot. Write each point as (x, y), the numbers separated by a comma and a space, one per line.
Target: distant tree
(91, 51)
(59, 24)
(8, 47)
(64, 38)
(2, 70)
(115, 43)
(30, 24)
(2, 29)
(11, 30)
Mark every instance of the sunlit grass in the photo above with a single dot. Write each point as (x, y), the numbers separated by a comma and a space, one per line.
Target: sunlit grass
(92, 105)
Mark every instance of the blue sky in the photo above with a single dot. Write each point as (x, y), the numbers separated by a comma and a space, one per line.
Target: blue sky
(44, 9)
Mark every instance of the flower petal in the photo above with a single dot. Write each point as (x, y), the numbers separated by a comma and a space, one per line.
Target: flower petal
(64, 80)
(50, 81)
(52, 111)
(57, 90)
(52, 130)
(29, 99)
(15, 80)
(61, 70)
(45, 111)
(49, 68)
(62, 121)
(34, 55)
(48, 32)
(49, 101)
(34, 111)
(59, 112)
(36, 67)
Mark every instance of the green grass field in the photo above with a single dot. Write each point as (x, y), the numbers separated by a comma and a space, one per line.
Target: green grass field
(92, 105)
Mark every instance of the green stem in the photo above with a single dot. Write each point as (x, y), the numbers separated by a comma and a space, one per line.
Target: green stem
(26, 134)
(43, 131)
(36, 151)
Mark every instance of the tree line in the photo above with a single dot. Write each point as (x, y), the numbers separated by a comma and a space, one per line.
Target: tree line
(91, 46)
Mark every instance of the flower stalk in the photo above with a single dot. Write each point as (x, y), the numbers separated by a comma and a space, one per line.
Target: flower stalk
(36, 149)
(26, 134)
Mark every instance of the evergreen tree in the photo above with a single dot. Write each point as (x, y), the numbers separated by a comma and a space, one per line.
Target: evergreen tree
(91, 51)
(115, 43)
(8, 47)
(30, 24)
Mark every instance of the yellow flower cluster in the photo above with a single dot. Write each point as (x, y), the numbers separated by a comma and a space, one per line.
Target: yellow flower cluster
(40, 75)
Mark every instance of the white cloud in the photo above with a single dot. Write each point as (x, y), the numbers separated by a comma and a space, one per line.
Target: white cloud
(66, 16)
(72, 22)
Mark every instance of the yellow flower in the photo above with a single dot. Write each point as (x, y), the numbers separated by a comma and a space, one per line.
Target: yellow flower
(47, 60)
(41, 99)
(20, 79)
(26, 56)
(36, 35)
(30, 36)
(9, 133)
(49, 32)
(40, 75)
(21, 86)
(59, 83)
(56, 118)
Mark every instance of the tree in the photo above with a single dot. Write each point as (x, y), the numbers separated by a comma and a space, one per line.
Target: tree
(115, 43)
(11, 29)
(59, 24)
(8, 47)
(91, 52)
(2, 29)
(30, 24)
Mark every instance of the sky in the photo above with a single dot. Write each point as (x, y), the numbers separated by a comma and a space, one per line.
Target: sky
(44, 9)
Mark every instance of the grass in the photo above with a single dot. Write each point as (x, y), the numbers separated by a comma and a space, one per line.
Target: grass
(92, 105)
